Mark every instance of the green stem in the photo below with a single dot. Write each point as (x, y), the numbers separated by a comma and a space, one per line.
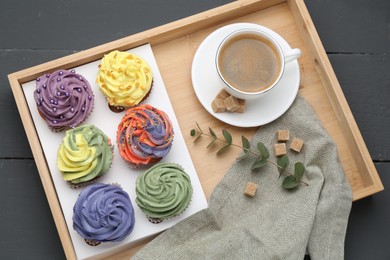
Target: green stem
(250, 151)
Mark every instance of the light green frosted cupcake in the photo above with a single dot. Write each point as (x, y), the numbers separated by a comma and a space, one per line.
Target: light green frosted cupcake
(84, 155)
(163, 191)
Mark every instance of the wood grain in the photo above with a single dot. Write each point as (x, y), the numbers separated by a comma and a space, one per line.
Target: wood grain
(319, 86)
(368, 224)
(357, 151)
(23, 215)
(13, 138)
(79, 25)
(352, 27)
(368, 96)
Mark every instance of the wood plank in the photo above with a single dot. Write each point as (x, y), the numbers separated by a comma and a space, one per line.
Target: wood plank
(346, 125)
(13, 139)
(28, 228)
(365, 82)
(368, 227)
(73, 25)
(352, 26)
(43, 171)
(153, 36)
(183, 37)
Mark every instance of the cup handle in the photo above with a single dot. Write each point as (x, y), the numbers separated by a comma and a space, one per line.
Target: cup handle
(292, 54)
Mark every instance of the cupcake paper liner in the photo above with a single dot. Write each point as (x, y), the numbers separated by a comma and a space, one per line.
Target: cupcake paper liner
(119, 109)
(137, 166)
(92, 242)
(155, 220)
(76, 186)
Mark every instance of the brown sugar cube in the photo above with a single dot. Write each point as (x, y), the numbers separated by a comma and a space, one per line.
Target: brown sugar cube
(280, 149)
(283, 135)
(250, 189)
(241, 109)
(218, 105)
(296, 144)
(232, 104)
(223, 94)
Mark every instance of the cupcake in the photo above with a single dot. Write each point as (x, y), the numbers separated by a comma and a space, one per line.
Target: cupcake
(84, 155)
(144, 135)
(125, 79)
(103, 213)
(64, 99)
(164, 191)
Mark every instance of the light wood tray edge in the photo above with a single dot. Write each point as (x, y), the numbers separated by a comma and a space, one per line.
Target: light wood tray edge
(43, 168)
(153, 36)
(337, 98)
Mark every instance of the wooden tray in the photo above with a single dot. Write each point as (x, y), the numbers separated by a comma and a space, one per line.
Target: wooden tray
(319, 86)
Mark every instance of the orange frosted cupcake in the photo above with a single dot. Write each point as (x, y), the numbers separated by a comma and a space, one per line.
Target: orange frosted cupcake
(144, 135)
(125, 79)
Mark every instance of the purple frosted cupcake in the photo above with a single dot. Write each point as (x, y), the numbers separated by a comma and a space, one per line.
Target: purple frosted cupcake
(64, 99)
(103, 213)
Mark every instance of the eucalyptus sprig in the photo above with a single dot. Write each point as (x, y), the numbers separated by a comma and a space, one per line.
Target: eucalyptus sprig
(290, 181)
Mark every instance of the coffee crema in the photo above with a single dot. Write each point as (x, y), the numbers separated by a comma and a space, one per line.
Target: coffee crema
(249, 63)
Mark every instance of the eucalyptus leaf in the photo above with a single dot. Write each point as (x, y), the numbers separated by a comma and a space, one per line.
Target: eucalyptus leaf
(223, 149)
(245, 144)
(245, 147)
(260, 162)
(290, 182)
(263, 150)
(282, 162)
(193, 132)
(299, 170)
(227, 136)
(212, 133)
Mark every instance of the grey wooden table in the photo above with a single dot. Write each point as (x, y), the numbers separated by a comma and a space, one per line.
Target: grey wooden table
(356, 36)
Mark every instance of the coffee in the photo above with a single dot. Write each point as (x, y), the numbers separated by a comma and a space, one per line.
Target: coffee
(249, 63)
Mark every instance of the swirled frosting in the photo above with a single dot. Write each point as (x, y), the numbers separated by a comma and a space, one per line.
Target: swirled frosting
(103, 213)
(84, 154)
(64, 99)
(144, 135)
(124, 78)
(163, 191)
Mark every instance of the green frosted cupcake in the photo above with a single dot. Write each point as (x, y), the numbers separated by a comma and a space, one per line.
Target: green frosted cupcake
(84, 155)
(163, 191)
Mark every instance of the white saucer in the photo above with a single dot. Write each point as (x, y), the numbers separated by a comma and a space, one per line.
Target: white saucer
(258, 112)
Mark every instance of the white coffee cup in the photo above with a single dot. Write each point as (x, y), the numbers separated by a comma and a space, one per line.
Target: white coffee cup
(250, 62)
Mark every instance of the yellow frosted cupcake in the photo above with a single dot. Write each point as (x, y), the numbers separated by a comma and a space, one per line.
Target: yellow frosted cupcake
(125, 79)
(84, 155)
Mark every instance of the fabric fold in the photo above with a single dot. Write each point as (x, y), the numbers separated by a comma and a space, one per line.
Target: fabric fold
(276, 223)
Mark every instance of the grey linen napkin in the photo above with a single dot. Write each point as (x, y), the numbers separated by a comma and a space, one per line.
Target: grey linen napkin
(275, 224)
